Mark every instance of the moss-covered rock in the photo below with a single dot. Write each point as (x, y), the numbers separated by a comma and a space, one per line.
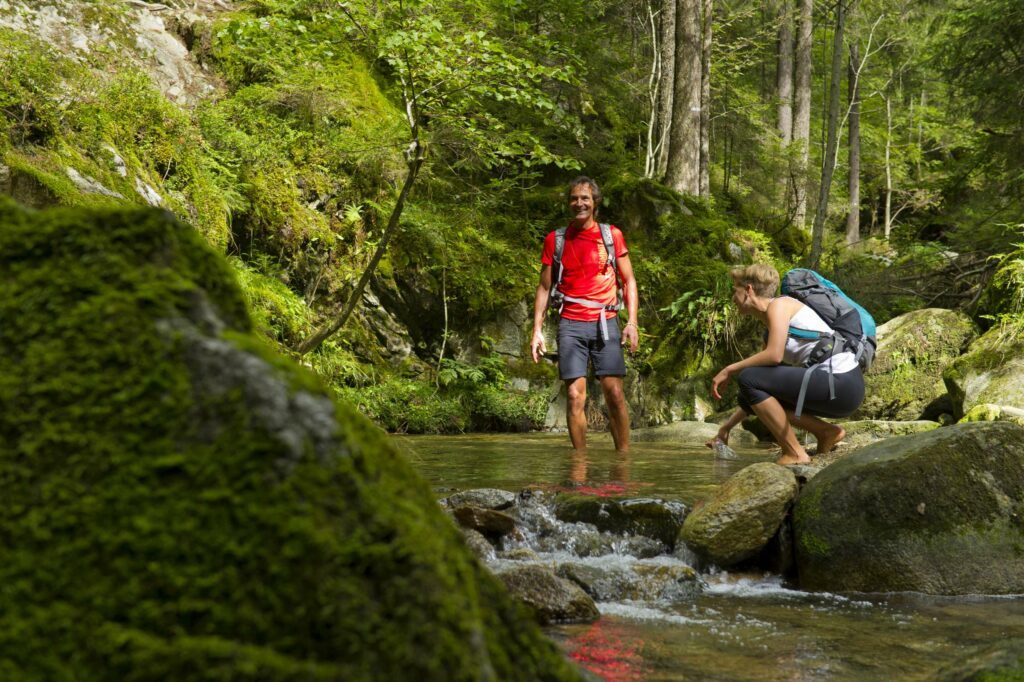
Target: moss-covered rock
(642, 581)
(551, 598)
(992, 371)
(658, 519)
(937, 512)
(994, 413)
(180, 503)
(905, 380)
(742, 515)
(865, 431)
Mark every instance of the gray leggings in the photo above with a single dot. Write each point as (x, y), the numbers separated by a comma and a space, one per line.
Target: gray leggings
(782, 382)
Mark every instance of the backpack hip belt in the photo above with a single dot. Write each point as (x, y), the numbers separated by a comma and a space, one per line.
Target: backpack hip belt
(602, 320)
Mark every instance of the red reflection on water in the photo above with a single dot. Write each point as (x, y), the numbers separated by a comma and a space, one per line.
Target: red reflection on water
(602, 651)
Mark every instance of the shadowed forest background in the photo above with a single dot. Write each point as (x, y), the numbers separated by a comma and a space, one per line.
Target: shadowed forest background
(381, 175)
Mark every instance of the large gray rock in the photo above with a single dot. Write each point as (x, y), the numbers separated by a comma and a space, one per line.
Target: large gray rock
(742, 515)
(552, 599)
(991, 372)
(937, 512)
(905, 380)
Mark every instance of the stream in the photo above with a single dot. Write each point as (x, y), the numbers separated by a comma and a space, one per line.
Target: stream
(734, 626)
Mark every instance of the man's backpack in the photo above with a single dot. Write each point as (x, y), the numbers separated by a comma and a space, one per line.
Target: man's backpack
(854, 326)
(557, 299)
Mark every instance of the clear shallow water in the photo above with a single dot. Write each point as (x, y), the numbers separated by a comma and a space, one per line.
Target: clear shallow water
(741, 626)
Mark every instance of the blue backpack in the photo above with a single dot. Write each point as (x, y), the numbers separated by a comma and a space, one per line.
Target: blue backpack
(854, 327)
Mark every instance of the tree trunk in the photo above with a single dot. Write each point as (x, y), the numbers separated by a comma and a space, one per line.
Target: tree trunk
(654, 87)
(666, 79)
(683, 172)
(705, 102)
(802, 109)
(828, 161)
(887, 225)
(853, 217)
(784, 75)
(318, 337)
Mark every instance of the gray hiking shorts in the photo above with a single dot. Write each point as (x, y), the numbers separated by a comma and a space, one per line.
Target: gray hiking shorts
(580, 344)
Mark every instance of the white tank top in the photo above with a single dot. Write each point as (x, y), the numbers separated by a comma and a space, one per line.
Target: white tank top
(798, 350)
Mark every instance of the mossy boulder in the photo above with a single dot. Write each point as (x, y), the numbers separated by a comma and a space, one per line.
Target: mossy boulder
(180, 503)
(938, 512)
(651, 580)
(653, 518)
(742, 515)
(551, 598)
(865, 431)
(905, 380)
(991, 372)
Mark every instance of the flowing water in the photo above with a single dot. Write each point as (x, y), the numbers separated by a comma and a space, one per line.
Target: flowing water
(735, 626)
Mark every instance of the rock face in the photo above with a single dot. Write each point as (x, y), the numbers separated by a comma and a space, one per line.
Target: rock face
(742, 515)
(180, 503)
(905, 380)
(991, 372)
(938, 512)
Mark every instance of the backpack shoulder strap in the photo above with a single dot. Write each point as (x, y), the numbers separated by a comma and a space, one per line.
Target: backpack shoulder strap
(609, 245)
(559, 248)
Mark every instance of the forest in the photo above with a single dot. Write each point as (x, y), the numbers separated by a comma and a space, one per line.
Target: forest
(381, 175)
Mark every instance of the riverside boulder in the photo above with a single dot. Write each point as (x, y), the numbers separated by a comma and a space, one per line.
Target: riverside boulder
(905, 380)
(991, 372)
(742, 515)
(938, 512)
(178, 502)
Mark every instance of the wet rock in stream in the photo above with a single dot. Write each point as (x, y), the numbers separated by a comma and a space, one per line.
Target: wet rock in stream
(552, 599)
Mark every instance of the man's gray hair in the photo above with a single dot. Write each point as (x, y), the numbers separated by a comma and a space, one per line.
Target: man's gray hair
(595, 191)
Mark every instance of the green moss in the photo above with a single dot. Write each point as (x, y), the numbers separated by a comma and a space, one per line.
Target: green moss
(175, 508)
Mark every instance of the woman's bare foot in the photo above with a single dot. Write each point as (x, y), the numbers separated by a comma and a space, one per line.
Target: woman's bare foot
(829, 442)
(793, 459)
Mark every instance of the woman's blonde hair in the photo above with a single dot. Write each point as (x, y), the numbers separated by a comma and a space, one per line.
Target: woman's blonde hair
(763, 278)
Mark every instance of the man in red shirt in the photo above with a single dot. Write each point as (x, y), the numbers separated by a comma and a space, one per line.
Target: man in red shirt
(589, 285)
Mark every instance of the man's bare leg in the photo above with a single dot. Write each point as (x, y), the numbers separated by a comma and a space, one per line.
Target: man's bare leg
(774, 416)
(826, 433)
(576, 401)
(618, 413)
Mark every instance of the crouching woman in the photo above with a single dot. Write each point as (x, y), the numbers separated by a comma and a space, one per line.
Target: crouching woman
(771, 390)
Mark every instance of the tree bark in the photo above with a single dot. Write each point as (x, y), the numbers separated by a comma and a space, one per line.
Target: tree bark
(784, 74)
(667, 52)
(887, 226)
(415, 160)
(802, 109)
(683, 172)
(828, 161)
(853, 216)
(654, 87)
(705, 101)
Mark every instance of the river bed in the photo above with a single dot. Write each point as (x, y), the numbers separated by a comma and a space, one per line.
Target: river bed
(741, 626)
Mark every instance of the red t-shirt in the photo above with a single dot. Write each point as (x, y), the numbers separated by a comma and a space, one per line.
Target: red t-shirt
(585, 270)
